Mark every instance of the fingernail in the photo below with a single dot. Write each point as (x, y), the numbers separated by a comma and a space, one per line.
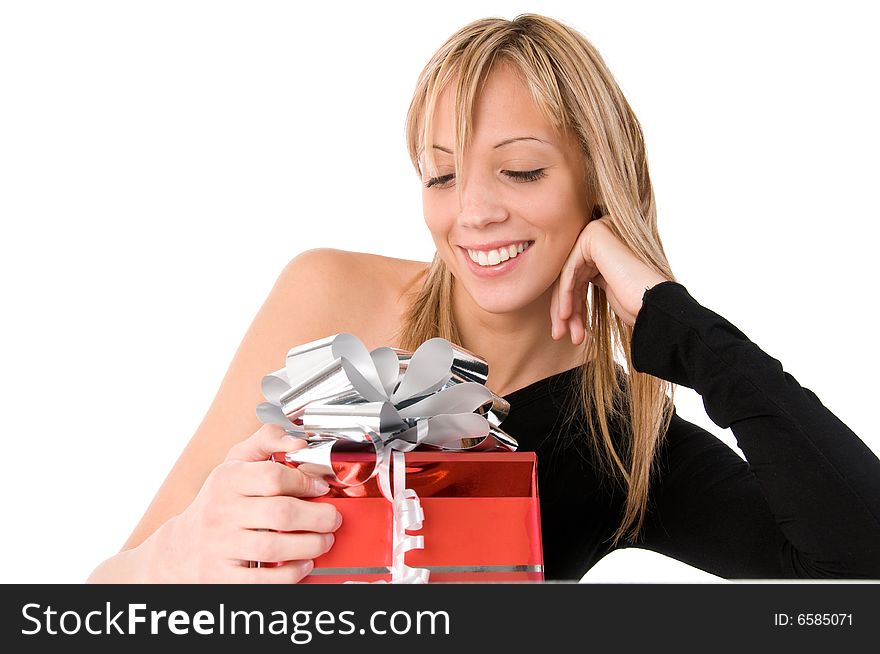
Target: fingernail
(319, 486)
(329, 539)
(307, 566)
(338, 520)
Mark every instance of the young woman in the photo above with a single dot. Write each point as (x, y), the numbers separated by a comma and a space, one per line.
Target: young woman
(549, 266)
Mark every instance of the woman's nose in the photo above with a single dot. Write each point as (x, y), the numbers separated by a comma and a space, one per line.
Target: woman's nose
(481, 204)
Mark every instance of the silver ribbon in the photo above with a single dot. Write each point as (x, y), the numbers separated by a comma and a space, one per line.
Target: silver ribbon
(337, 395)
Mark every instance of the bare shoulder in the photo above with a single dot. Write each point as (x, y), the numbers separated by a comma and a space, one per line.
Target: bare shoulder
(365, 294)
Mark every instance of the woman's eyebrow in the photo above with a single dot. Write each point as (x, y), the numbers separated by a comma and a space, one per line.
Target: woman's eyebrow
(504, 142)
(522, 138)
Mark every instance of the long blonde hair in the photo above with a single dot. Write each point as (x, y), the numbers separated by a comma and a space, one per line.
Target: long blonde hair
(572, 86)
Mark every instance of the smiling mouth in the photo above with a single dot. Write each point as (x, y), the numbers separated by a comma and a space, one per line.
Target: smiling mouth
(488, 258)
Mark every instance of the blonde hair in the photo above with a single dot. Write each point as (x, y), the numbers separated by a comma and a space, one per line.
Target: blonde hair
(575, 91)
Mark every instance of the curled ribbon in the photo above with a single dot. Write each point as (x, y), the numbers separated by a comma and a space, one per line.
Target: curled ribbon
(337, 395)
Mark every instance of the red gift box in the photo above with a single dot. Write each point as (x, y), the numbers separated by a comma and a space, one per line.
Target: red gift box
(481, 520)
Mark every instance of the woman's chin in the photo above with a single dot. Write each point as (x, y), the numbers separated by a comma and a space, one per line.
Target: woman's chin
(498, 296)
(499, 302)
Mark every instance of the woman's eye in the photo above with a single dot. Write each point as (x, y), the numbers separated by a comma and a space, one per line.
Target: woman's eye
(518, 175)
(525, 175)
(437, 181)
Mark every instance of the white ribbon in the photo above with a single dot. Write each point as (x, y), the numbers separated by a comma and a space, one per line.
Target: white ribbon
(407, 514)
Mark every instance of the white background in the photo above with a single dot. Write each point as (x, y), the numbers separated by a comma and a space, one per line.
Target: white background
(160, 162)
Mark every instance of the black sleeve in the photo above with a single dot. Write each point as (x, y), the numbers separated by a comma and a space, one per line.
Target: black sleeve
(807, 501)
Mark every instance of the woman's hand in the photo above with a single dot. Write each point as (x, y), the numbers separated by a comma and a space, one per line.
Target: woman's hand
(228, 523)
(598, 257)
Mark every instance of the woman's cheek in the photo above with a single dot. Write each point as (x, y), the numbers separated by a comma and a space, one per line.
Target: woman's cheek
(436, 222)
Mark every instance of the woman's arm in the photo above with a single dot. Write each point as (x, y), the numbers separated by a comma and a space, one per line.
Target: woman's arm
(293, 313)
(319, 293)
(807, 504)
(304, 304)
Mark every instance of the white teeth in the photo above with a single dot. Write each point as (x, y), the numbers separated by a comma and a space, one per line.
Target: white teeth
(494, 257)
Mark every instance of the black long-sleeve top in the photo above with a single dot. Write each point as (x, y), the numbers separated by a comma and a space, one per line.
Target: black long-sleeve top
(805, 503)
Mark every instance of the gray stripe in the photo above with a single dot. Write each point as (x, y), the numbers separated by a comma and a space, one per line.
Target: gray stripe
(433, 568)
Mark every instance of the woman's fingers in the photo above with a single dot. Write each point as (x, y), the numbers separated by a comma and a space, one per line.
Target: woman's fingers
(576, 321)
(600, 257)
(576, 273)
(247, 510)
(268, 478)
(566, 308)
(566, 284)
(263, 443)
(569, 308)
(271, 546)
(289, 514)
(555, 331)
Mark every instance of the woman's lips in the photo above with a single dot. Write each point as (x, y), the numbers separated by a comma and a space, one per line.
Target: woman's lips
(499, 269)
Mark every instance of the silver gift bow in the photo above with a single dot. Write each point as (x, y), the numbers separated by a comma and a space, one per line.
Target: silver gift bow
(336, 394)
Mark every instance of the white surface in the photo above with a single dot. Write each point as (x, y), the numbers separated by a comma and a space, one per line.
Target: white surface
(634, 565)
(160, 163)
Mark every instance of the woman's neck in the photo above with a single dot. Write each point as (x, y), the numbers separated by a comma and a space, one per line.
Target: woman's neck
(517, 345)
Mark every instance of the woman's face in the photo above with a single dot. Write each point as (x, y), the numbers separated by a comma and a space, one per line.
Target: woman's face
(524, 201)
